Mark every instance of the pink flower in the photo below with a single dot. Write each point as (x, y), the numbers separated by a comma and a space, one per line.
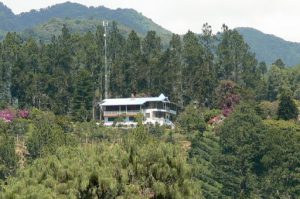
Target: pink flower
(23, 114)
(7, 115)
(227, 111)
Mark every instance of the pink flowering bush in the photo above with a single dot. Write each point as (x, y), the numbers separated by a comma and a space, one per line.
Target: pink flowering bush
(23, 114)
(227, 96)
(229, 103)
(227, 111)
(7, 115)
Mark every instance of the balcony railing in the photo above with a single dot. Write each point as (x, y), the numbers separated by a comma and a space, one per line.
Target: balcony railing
(128, 112)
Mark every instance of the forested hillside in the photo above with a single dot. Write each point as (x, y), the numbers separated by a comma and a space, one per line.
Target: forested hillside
(237, 134)
(43, 23)
(66, 76)
(46, 31)
(29, 20)
(268, 48)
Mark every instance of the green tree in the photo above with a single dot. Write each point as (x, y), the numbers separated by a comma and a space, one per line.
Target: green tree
(10, 50)
(82, 102)
(116, 43)
(60, 55)
(287, 108)
(172, 70)
(133, 60)
(262, 67)
(151, 50)
(194, 70)
(8, 157)
(280, 160)
(46, 135)
(275, 81)
(238, 163)
(279, 63)
(204, 148)
(208, 40)
(191, 120)
(27, 87)
(235, 61)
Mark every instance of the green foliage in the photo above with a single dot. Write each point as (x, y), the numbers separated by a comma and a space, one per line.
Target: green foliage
(64, 75)
(46, 136)
(279, 63)
(258, 159)
(240, 145)
(204, 148)
(191, 120)
(297, 94)
(127, 170)
(19, 126)
(275, 82)
(83, 96)
(268, 109)
(244, 158)
(263, 67)
(235, 61)
(287, 108)
(44, 23)
(281, 159)
(8, 157)
(208, 114)
(269, 48)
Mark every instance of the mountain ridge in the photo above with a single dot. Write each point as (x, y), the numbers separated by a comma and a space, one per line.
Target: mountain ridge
(267, 47)
(76, 10)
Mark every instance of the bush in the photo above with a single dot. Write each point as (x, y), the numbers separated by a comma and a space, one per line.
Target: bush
(210, 114)
(191, 120)
(287, 108)
(268, 109)
(130, 169)
(19, 126)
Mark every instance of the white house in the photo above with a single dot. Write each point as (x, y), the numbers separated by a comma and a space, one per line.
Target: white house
(156, 110)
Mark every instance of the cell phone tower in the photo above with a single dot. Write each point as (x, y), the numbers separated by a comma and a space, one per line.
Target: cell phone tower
(106, 79)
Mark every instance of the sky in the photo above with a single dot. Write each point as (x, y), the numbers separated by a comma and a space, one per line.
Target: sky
(277, 17)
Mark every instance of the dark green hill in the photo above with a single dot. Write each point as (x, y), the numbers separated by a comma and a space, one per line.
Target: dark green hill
(45, 31)
(33, 20)
(7, 19)
(42, 24)
(268, 47)
(128, 17)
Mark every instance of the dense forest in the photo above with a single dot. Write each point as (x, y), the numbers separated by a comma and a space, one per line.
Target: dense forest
(237, 136)
(43, 23)
(66, 76)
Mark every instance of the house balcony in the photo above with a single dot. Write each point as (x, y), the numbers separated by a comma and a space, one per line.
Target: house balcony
(121, 113)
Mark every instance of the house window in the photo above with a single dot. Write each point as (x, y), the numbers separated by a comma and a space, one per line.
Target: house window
(158, 114)
(147, 115)
(112, 108)
(111, 119)
(131, 119)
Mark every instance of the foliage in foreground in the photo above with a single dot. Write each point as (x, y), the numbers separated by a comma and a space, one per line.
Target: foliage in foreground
(258, 159)
(243, 156)
(139, 167)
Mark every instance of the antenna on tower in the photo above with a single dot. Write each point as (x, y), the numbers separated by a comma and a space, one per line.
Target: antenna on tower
(106, 80)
